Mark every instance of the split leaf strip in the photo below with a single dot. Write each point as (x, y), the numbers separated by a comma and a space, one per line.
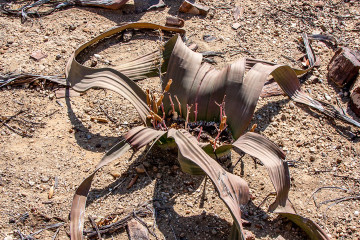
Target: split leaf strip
(194, 82)
(136, 138)
(272, 158)
(77, 213)
(82, 78)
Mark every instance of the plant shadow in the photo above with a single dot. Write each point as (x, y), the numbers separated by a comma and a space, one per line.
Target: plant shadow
(84, 137)
(190, 219)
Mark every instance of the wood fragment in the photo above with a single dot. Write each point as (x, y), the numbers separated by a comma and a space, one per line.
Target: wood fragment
(355, 101)
(132, 182)
(193, 8)
(56, 233)
(101, 120)
(137, 231)
(344, 67)
(19, 132)
(51, 192)
(92, 221)
(253, 127)
(112, 227)
(174, 21)
(270, 89)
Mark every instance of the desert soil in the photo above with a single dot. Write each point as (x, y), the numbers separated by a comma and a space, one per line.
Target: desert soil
(65, 144)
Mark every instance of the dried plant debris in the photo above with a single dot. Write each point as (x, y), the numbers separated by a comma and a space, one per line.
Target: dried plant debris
(115, 222)
(23, 123)
(190, 94)
(27, 78)
(49, 6)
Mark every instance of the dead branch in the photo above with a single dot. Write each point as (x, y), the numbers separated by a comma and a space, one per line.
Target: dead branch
(110, 228)
(19, 132)
(92, 221)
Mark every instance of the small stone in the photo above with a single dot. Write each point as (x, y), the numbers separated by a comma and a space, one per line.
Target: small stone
(249, 235)
(51, 96)
(312, 150)
(327, 97)
(57, 57)
(93, 63)
(158, 175)
(97, 56)
(155, 169)
(283, 117)
(140, 169)
(356, 213)
(213, 232)
(38, 55)
(338, 161)
(88, 136)
(31, 183)
(292, 105)
(72, 27)
(115, 174)
(235, 26)
(313, 79)
(182, 235)
(319, 4)
(46, 38)
(312, 158)
(87, 30)
(8, 238)
(209, 38)
(45, 179)
(146, 164)
(128, 34)
(280, 238)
